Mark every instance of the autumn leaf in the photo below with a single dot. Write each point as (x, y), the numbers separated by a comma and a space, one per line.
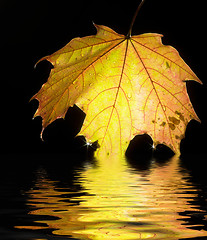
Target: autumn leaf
(126, 85)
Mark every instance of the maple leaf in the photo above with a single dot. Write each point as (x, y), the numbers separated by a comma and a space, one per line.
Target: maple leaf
(126, 85)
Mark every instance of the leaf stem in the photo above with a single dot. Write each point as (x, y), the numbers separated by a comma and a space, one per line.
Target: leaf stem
(134, 18)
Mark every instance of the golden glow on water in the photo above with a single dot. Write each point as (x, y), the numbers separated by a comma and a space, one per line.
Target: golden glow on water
(118, 202)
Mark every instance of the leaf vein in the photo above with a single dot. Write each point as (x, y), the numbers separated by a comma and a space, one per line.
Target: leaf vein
(170, 60)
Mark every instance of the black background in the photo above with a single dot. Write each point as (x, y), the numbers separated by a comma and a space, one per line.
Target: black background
(33, 29)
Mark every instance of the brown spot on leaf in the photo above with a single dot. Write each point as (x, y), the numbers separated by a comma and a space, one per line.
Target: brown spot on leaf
(174, 120)
(172, 126)
(180, 115)
(153, 121)
(163, 124)
(167, 65)
(179, 137)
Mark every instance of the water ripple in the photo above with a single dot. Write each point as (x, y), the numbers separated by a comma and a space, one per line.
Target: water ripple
(117, 201)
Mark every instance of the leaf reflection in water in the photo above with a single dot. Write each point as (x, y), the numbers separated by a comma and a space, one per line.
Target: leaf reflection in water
(118, 202)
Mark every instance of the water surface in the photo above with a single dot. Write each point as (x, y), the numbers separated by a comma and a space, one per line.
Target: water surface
(103, 200)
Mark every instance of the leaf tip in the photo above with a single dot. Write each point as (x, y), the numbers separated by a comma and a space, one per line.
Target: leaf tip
(35, 66)
(40, 60)
(33, 98)
(96, 26)
(199, 81)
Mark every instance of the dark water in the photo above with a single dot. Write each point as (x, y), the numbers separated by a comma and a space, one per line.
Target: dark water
(61, 197)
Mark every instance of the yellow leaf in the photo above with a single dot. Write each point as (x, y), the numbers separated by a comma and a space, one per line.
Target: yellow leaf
(125, 85)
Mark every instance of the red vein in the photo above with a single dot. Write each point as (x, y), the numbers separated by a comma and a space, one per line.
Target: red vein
(156, 118)
(161, 74)
(87, 67)
(141, 60)
(173, 96)
(95, 117)
(87, 46)
(145, 104)
(180, 67)
(118, 89)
